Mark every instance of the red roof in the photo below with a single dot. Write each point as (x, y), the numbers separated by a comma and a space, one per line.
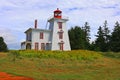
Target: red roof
(57, 10)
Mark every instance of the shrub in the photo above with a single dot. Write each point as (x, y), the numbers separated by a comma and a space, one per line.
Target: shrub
(3, 46)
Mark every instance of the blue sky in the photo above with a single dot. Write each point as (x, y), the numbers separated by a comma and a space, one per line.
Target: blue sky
(16, 16)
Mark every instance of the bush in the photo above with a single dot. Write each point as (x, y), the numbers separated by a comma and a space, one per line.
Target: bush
(3, 46)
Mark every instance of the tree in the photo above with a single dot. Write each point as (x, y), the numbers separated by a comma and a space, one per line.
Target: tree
(106, 32)
(115, 38)
(3, 46)
(86, 30)
(76, 36)
(92, 46)
(103, 38)
(72, 37)
(100, 41)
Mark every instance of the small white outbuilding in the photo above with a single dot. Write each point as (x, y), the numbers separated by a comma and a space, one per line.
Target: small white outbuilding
(54, 38)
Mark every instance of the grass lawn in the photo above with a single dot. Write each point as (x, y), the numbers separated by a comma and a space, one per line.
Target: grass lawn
(105, 68)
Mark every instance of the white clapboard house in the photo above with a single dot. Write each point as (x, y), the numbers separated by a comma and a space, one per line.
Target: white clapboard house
(53, 38)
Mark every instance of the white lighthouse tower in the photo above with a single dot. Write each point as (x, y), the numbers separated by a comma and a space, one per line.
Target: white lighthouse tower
(59, 36)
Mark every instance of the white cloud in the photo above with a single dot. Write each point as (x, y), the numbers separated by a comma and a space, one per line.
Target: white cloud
(8, 36)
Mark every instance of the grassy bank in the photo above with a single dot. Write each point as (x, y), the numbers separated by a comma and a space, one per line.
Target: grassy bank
(64, 55)
(112, 54)
(57, 65)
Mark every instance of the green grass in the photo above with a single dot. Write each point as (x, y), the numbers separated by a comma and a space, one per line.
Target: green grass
(51, 65)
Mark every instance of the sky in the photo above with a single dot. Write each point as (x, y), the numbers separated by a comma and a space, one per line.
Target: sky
(16, 16)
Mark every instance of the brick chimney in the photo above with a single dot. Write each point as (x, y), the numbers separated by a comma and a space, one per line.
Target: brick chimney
(35, 24)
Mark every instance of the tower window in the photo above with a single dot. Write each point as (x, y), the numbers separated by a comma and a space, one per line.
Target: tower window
(60, 25)
(61, 35)
(41, 35)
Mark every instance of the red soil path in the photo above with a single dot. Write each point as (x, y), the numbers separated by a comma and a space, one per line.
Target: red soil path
(5, 76)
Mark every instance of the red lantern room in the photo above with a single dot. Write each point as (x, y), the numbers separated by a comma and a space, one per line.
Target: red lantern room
(57, 13)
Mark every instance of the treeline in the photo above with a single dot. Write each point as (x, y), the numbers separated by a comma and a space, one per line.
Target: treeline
(105, 39)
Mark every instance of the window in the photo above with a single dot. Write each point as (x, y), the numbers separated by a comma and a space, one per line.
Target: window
(42, 46)
(59, 14)
(56, 14)
(47, 46)
(60, 35)
(36, 46)
(41, 35)
(60, 25)
(61, 46)
(28, 36)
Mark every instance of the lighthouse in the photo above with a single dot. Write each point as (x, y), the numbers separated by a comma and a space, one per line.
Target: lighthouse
(59, 35)
(54, 38)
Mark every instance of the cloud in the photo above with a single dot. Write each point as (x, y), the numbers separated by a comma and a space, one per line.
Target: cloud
(8, 35)
(9, 38)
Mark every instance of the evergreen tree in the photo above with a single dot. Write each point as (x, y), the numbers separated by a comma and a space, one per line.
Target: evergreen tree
(92, 46)
(86, 30)
(3, 46)
(100, 41)
(76, 36)
(106, 32)
(115, 38)
(71, 37)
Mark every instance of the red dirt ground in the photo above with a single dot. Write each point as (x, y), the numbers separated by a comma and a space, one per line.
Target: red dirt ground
(5, 76)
